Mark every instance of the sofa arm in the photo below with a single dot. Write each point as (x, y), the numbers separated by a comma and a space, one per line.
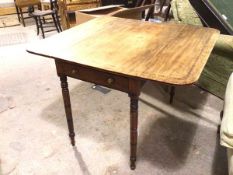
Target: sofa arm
(224, 45)
(226, 131)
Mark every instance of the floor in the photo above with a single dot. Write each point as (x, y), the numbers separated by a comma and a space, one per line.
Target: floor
(177, 139)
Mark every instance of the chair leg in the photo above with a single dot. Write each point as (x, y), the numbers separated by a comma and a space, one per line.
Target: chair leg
(39, 6)
(21, 14)
(150, 14)
(44, 20)
(37, 25)
(58, 22)
(41, 26)
(172, 94)
(167, 12)
(143, 14)
(17, 11)
(55, 22)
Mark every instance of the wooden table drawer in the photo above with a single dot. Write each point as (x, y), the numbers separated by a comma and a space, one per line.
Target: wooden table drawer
(98, 77)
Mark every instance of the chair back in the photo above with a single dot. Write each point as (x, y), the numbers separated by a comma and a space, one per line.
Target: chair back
(53, 5)
(26, 3)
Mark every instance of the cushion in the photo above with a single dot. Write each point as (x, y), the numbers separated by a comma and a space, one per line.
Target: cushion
(226, 132)
(42, 13)
(219, 67)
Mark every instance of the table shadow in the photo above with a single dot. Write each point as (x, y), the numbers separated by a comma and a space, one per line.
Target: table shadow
(103, 118)
(172, 144)
(220, 164)
(190, 96)
(168, 143)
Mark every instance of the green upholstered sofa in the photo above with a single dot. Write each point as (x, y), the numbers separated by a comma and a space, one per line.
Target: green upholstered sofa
(220, 64)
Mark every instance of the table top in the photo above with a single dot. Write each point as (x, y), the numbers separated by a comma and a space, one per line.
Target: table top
(170, 53)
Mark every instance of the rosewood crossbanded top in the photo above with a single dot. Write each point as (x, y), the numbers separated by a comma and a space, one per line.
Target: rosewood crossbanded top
(170, 53)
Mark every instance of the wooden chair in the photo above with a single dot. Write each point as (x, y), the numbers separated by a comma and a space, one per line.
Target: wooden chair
(20, 4)
(40, 15)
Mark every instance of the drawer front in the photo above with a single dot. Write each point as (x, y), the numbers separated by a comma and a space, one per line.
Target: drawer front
(94, 76)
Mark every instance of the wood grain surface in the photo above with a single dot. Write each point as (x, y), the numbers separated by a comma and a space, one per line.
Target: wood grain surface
(170, 53)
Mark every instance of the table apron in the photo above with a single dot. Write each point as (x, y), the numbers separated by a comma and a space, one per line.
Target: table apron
(99, 77)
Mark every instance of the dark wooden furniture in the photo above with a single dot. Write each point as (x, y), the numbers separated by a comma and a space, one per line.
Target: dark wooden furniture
(40, 15)
(20, 4)
(134, 55)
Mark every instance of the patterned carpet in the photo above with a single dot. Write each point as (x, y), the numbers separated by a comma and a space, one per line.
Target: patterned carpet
(13, 38)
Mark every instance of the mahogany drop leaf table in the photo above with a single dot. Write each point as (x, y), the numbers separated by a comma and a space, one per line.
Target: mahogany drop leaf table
(123, 54)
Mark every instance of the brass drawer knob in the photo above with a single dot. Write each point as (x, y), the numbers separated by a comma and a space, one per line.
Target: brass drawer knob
(74, 71)
(110, 80)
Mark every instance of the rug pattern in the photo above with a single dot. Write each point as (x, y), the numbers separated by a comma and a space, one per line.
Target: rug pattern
(13, 38)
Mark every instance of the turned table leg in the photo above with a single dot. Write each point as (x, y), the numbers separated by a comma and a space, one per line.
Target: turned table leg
(67, 105)
(172, 94)
(133, 129)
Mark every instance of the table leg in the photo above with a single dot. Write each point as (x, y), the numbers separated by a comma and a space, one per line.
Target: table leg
(172, 94)
(133, 128)
(67, 105)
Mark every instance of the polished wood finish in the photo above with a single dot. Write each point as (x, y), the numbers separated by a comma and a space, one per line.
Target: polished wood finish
(134, 92)
(169, 53)
(172, 94)
(133, 128)
(114, 81)
(123, 54)
(104, 78)
(67, 105)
